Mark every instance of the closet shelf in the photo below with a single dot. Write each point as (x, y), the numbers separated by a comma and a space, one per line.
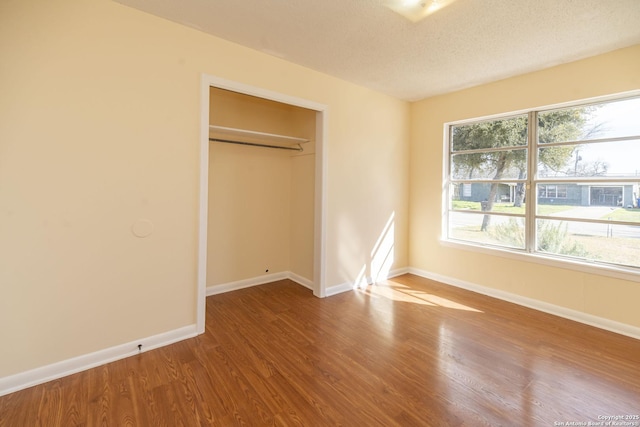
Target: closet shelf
(253, 138)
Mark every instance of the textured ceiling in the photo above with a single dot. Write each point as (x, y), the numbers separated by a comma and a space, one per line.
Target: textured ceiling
(466, 43)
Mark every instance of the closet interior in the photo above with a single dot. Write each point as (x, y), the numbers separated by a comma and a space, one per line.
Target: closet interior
(261, 189)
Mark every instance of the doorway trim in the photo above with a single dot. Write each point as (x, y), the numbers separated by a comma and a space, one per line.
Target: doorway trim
(208, 81)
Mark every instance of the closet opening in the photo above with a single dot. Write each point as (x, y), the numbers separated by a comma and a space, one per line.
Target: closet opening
(261, 190)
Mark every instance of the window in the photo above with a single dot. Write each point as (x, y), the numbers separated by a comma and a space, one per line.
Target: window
(466, 190)
(563, 183)
(552, 191)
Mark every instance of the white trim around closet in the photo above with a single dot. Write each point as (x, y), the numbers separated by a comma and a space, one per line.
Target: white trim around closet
(257, 281)
(208, 81)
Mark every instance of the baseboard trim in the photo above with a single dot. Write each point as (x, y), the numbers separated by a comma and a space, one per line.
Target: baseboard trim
(338, 289)
(259, 280)
(567, 313)
(303, 281)
(22, 380)
(300, 280)
(245, 283)
(349, 286)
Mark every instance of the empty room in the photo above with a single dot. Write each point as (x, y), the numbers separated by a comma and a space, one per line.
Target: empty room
(298, 213)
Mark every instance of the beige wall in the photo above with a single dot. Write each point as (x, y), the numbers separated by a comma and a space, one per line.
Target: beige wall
(99, 128)
(602, 296)
(261, 200)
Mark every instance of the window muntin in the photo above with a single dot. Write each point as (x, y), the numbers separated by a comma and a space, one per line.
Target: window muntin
(583, 172)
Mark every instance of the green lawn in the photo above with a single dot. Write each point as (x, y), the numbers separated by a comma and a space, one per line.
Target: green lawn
(624, 214)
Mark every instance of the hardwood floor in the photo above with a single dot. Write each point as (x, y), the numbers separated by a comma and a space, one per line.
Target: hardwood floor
(412, 352)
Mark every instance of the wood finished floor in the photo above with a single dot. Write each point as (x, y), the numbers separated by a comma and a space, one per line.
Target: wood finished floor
(409, 353)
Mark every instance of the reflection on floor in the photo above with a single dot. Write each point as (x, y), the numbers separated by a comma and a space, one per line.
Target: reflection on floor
(406, 352)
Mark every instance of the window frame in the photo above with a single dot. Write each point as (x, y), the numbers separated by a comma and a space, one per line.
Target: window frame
(530, 253)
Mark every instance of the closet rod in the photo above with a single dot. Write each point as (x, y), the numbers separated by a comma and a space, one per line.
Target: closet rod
(255, 144)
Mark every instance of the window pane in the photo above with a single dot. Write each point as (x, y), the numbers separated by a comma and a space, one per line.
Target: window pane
(508, 197)
(616, 244)
(487, 229)
(606, 120)
(560, 208)
(586, 186)
(617, 159)
(508, 164)
(510, 132)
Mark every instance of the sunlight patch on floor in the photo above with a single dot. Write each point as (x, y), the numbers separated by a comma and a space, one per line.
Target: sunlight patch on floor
(402, 293)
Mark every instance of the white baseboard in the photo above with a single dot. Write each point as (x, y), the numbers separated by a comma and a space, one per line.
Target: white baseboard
(349, 286)
(245, 283)
(338, 289)
(268, 278)
(74, 365)
(300, 280)
(567, 313)
(22, 380)
(259, 280)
